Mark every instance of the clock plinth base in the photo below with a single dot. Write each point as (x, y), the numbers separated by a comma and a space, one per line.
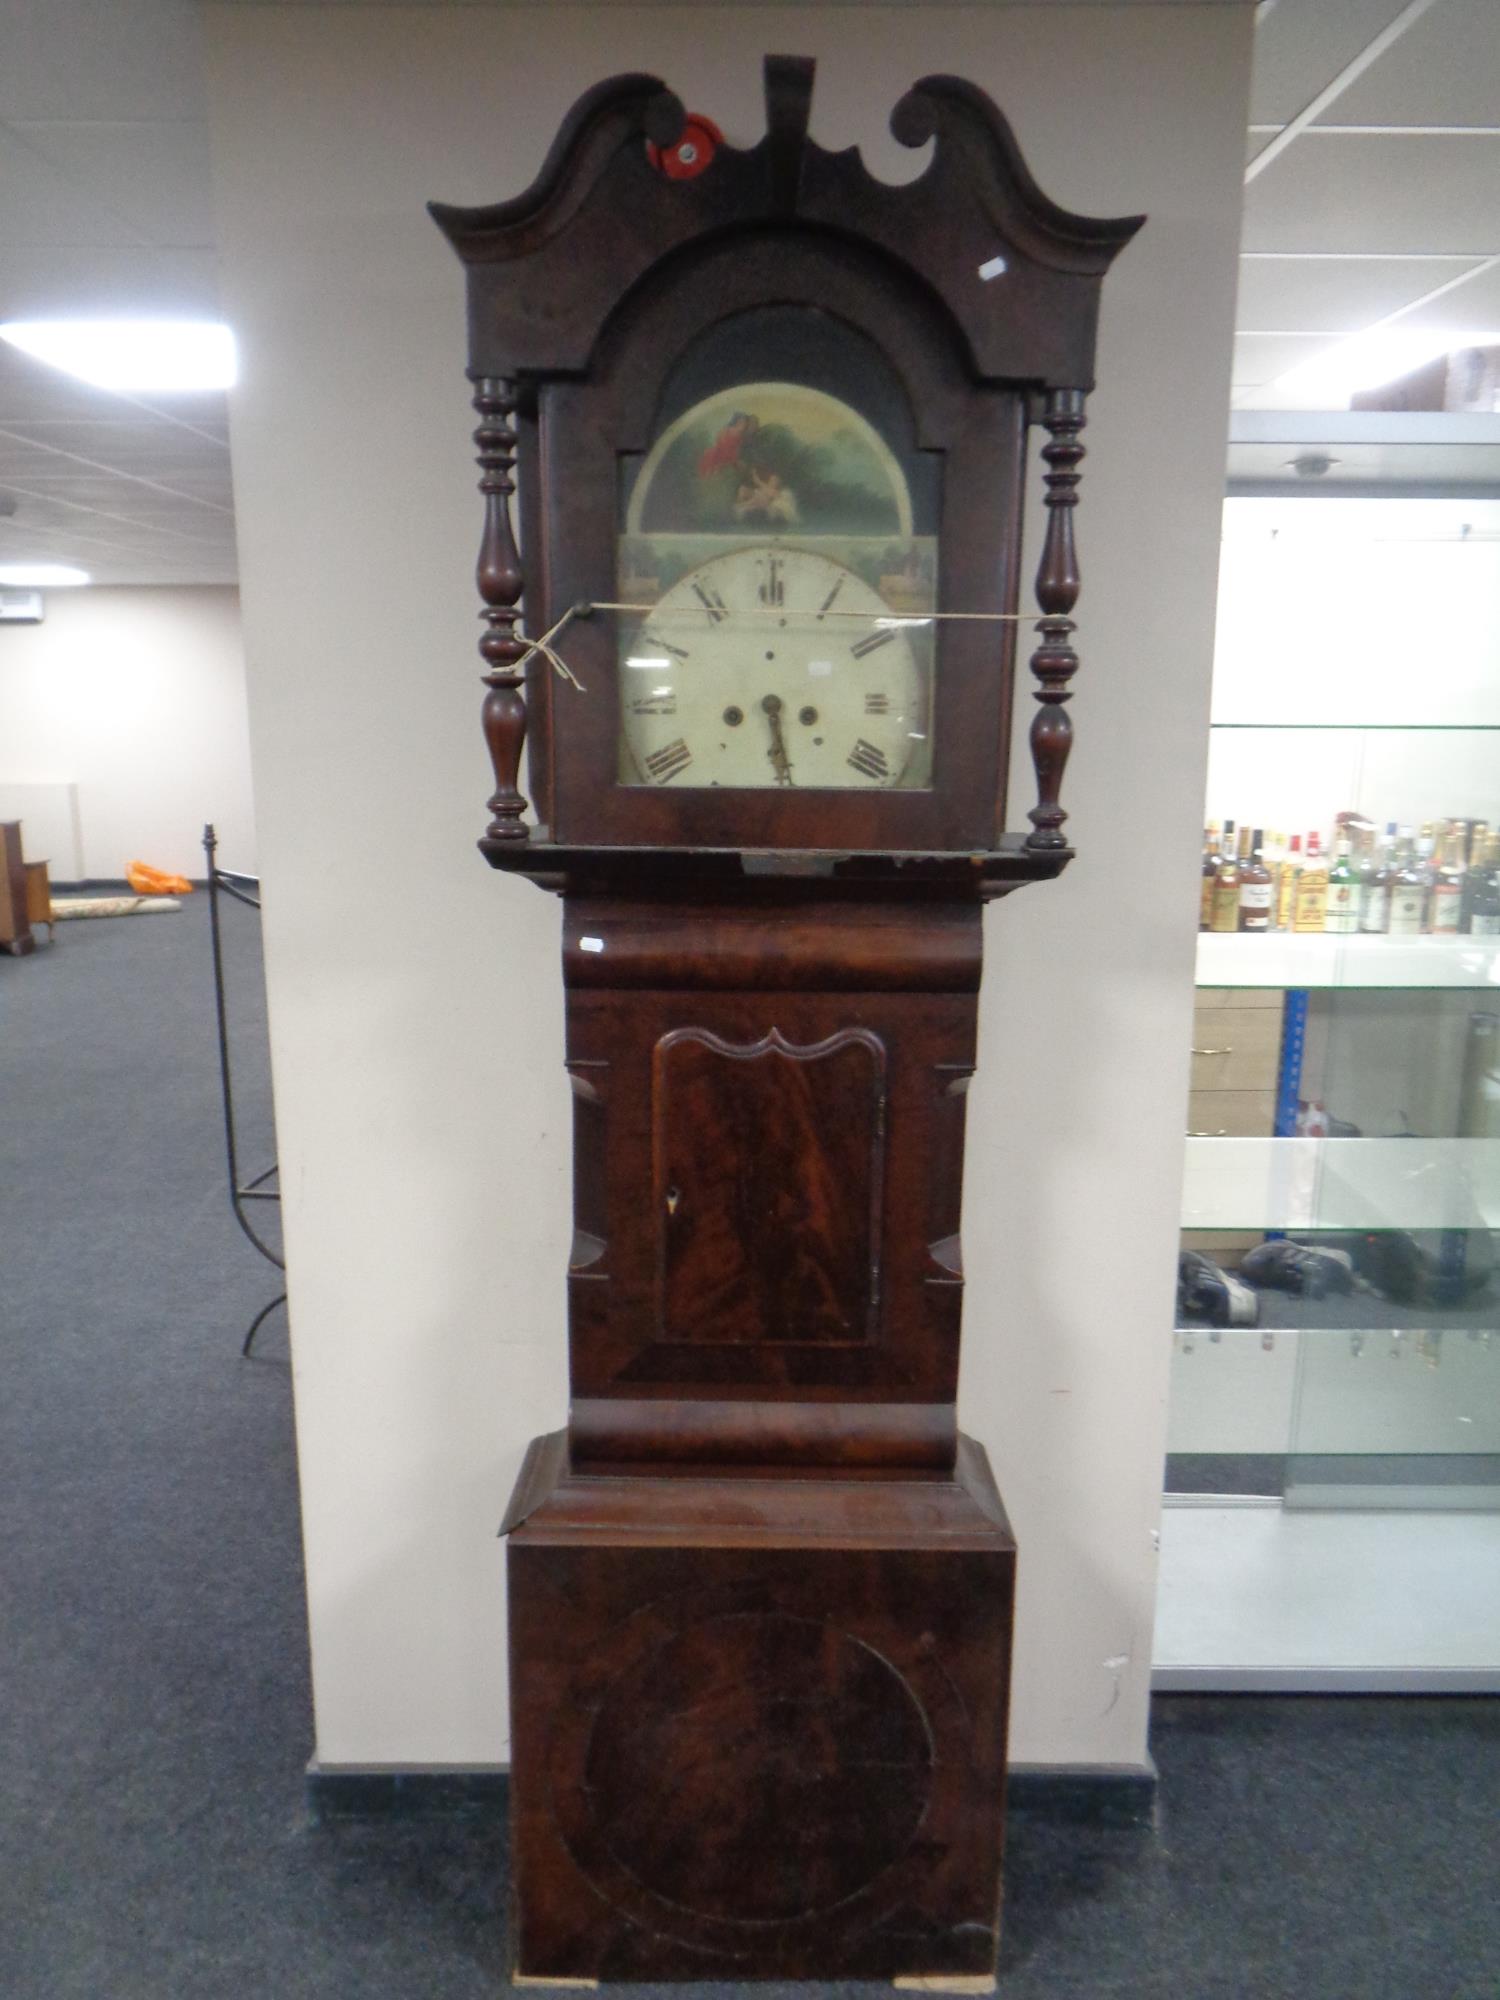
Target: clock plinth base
(759, 1722)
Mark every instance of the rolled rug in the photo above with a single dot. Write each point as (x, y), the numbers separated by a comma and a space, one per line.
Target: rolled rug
(65, 907)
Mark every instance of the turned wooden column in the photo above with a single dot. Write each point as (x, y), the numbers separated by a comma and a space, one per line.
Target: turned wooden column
(501, 581)
(1055, 662)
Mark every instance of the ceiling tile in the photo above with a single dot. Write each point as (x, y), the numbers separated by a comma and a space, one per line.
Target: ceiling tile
(53, 281)
(1262, 357)
(1473, 306)
(1391, 195)
(30, 390)
(1301, 48)
(20, 460)
(43, 207)
(1333, 295)
(49, 468)
(156, 175)
(1445, 70)
(105, 59)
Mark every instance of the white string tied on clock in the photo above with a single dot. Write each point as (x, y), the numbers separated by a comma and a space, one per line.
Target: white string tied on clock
(585, 609)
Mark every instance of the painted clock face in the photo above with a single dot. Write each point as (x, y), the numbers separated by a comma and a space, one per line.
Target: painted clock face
(774, 665)
(777, 584)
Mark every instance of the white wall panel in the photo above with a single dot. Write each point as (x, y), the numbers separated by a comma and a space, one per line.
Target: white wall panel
(416, 1022)
(137, 698)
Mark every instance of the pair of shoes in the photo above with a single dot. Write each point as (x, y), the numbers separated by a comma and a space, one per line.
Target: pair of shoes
(1211, 1296)
(1311, 1273)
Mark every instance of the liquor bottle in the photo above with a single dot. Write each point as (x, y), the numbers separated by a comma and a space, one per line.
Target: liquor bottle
(1225, 914)
(1257, 891)
(1408, 889)
(1484, 911)
(1427, 862)
(1210, 872)
(1312, 888)
(1375, 903)
(1341, 906)
(1365, 866)
(1474, 874)
(1445, 905)
(1286, 883)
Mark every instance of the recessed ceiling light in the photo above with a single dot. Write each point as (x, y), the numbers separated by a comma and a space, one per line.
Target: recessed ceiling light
(158, 356)
(41, 576)
(1367, 360)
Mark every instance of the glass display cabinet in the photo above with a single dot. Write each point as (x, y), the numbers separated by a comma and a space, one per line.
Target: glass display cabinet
(1333, 1474)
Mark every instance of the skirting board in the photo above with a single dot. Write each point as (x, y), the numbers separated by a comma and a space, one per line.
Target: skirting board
(1072, 1794)
(1325, 1680)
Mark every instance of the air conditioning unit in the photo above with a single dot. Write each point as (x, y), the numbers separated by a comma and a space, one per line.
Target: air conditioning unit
(20, 607)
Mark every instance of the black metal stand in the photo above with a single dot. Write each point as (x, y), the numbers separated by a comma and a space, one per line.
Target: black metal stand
(244, 889)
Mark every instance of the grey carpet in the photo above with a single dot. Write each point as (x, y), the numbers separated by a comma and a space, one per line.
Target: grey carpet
(154, 1702)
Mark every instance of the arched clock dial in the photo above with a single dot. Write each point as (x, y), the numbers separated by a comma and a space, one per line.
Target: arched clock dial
(775, 666)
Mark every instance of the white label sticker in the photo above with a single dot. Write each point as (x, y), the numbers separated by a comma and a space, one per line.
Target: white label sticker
(820, 667)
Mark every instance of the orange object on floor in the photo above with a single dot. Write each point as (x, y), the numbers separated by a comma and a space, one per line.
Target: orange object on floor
(152, 882)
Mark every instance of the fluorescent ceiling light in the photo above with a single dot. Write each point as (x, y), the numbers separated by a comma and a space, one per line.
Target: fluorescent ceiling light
(1368, 360)
(40, 576)
(150, 355)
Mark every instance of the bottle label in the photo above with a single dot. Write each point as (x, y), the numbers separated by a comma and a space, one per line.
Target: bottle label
(1226, 906)
(1255, 906)
(1341, 912)
(1375, 911)
(1445, 906)
(1312, 900)
(1406, 910)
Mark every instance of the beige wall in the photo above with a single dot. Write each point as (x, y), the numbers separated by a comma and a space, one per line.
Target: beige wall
(416, 1014)
(122, 730)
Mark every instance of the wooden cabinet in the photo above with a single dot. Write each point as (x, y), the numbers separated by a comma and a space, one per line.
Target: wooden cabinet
(1236, 1060)
(39, 896)
(15, 920)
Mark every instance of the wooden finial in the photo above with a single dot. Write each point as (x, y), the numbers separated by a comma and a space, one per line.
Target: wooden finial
(500, 585)
(1054, 662)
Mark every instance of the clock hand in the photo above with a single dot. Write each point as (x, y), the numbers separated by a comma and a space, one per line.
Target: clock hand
(777, 752)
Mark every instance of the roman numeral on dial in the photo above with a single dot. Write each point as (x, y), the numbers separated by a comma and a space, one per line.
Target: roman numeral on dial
(664, 764)
(868, 761)
(827, 604)
(879, 637)
(652, 639)
(655, 704)
(772, 591)
(877, 704)
(712, 603)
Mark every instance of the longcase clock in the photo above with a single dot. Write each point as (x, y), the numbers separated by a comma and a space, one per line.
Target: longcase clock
(767, 420)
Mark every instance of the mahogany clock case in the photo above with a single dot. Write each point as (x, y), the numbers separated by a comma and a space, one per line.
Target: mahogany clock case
(581, 430)
(759, 1723)
(761, 1589)
(595, 294)
(768, 1142)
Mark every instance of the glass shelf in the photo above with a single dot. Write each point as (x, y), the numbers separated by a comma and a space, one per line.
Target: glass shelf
(1361, 1417)
(1303, 1184)
(1314, 959)
(1361, 729)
